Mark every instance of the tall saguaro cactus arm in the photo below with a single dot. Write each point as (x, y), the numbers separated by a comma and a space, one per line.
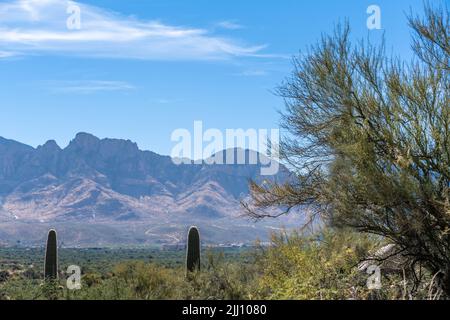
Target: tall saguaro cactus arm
(193, 250)
(51, 257)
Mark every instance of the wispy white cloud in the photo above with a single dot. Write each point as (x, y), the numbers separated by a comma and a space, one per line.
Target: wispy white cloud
(7, 54)
(229, 25)
(40, 27)
(252, 73)
(90, 86)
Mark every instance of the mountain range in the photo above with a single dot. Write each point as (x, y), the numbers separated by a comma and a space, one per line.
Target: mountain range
(108, 192)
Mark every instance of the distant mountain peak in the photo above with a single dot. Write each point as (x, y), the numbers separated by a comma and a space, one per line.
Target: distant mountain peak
(239, 156)
(84, 141)
(82, 137)
(121, 143)
(87, 141)
(50, 145)
(8, 143)
(123, 188)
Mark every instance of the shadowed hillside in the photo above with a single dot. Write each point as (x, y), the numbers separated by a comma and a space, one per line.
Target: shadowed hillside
(107, 191)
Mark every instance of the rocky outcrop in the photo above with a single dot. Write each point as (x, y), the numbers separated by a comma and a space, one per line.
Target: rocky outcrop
(111, 181)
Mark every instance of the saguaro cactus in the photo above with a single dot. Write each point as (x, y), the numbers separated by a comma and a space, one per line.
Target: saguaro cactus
(193, 251)
(51, 257)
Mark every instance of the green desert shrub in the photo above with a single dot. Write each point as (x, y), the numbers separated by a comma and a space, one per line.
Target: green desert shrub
(323, 266)
(149, 281)
(21, 289)
(319, 267)
(221, 280)
(91, 279)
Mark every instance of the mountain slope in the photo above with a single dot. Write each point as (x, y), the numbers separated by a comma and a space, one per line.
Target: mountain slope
(132, 196)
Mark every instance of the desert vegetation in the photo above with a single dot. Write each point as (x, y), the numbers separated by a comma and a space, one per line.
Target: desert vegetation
(368, 143)
(294, 266)
(368, 137)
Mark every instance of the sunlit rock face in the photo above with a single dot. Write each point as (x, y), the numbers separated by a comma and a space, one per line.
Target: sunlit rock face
(123, 193)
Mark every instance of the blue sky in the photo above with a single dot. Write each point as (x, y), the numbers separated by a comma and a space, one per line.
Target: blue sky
(141, 69)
